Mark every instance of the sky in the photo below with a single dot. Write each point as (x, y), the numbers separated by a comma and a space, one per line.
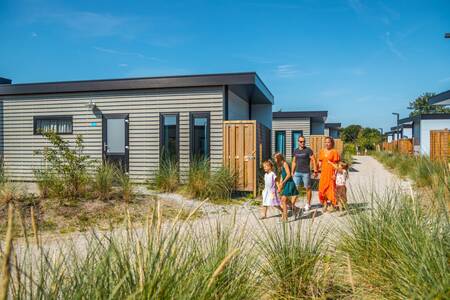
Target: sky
(360, 60)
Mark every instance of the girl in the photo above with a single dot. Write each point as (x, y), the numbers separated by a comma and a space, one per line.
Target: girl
(286, 186)
(327, 184)
(270, 195)
(341, 188)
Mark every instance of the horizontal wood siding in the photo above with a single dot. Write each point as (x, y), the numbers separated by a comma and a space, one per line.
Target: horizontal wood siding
(143, 107)
(289, 125)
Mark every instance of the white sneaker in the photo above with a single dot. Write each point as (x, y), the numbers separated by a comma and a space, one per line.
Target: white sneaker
(306, 208)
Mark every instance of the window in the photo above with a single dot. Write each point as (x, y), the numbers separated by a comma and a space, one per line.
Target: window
(56, 124)
(200, 135)
(295, 135)
(169, 135)
(280, 142)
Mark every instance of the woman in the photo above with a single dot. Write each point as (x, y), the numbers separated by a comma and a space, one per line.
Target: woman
(327, 184)
(286, 186)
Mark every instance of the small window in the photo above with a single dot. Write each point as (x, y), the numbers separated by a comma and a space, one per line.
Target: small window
(169, 135)
(56, 124)
(280, 142)
(295, 135)
(200, 135)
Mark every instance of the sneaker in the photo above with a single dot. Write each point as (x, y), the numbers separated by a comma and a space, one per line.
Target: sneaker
(306, 208)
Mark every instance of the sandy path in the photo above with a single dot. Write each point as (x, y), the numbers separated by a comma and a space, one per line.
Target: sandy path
(366, 174)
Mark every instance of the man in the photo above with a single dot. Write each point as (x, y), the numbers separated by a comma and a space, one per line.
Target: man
(303, 157)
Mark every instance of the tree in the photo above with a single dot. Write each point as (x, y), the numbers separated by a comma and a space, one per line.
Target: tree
(421, 106)
(368, 138)
(350, 133)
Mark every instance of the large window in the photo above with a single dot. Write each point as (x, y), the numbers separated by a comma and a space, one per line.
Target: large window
(56, 124)
(295, 135)
(200, 135)
(169, 135)
(280, 142)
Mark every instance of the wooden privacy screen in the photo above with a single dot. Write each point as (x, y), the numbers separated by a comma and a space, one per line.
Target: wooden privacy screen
(317, 142)
(439, 144)
(404, 146)
(246, 145)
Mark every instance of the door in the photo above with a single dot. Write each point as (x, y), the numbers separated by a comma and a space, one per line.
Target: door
(240, 153)
(115, 140)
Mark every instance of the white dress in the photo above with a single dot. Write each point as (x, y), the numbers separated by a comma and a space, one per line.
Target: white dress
(269, 194)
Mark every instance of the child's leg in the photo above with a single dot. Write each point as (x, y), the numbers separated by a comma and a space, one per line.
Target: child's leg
(264, 211)
(284, 208)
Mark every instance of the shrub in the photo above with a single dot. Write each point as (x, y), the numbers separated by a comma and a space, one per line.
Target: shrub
(10, 192)
(65, 166)
(291, 259)
(126, 188)
(206, 183)
(103, 181)
(399, 250)
(166, 177)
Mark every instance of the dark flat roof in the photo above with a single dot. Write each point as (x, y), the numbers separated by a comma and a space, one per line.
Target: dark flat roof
(299, 114)
(246, 85)
(333, 125)
(402, 126)
(437, 99)
(425, 117)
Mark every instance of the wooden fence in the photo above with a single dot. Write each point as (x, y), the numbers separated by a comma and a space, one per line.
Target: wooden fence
(317, 142)
(404, 146)
(439, 144)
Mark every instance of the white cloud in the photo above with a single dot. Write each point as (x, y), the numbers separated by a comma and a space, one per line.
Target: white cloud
(447, 79)
(125, 53)
(34, 34)
(391, 46)
(290, 71)
(123, 65)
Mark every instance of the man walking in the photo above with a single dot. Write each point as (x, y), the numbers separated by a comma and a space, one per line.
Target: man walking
(303, 157)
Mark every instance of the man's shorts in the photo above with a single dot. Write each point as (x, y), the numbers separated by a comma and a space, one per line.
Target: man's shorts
(302, 178)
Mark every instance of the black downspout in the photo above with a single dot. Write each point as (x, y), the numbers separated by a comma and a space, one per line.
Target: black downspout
(225, 102)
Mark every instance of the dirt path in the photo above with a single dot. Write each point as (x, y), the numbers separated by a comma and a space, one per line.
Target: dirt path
(366, 175)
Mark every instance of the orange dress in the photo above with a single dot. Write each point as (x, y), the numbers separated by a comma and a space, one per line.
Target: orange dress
(327, 184)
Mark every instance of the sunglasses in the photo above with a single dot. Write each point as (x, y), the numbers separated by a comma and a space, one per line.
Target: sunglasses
(301, 142)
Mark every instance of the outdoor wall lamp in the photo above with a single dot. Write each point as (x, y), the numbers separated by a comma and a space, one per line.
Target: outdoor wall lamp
(91, 104)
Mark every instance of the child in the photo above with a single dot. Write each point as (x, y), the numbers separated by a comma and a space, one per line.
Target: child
(341, 188)
(269, 194)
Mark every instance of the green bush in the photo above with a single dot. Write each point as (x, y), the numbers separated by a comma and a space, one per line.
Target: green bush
(292, 260)
(65, 166)
(205, 183)
(103, 181)
(126, 187)
(399, 250)
(166, 178)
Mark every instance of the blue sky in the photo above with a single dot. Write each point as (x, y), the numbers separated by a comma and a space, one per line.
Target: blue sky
(360, 60)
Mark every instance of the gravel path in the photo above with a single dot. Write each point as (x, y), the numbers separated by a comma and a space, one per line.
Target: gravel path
(366, 174)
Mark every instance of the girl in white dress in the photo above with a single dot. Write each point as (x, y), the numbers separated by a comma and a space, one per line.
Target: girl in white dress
(269, 194)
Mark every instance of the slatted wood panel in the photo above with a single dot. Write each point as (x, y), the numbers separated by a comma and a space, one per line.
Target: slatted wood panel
(404, 146)
(317, 142)
(439, 144)
(143, 108)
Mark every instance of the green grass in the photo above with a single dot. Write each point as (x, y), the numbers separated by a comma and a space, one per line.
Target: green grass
(399, 251)
(166, 177)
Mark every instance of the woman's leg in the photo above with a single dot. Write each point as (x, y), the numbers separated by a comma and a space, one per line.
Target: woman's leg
(295, 209)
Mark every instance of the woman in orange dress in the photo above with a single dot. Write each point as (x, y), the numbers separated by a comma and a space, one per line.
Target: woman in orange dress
(327, 184)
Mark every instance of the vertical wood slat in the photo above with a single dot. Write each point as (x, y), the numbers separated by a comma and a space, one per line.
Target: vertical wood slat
(439, 144)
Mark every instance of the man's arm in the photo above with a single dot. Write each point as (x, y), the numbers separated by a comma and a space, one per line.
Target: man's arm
(314, 163)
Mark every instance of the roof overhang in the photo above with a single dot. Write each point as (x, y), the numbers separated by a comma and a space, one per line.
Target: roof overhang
(333, 125)
(440, 99)
(245, 85)
(420, 117)
(316, 115)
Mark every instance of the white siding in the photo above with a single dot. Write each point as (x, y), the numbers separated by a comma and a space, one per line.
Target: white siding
(290, 125)
(425, 127)
(143, 108)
